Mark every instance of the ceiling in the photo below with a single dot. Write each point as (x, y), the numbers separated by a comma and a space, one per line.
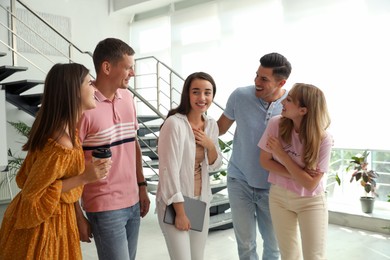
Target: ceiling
(144, 9)
(140, 6)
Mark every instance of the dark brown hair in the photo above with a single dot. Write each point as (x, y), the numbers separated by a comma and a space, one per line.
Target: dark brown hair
(185, 105)
(281, 67)
(111, 50)
(61, 105)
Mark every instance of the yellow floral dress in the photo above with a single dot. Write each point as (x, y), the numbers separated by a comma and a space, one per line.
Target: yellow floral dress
(40, 222)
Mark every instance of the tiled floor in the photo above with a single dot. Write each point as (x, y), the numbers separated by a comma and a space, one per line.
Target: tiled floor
(343, 243)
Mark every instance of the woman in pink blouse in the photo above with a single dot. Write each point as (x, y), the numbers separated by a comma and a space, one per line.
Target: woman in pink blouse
(295, 149)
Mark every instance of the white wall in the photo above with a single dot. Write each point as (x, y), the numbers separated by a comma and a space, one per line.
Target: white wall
(340, 46)
(91, 21)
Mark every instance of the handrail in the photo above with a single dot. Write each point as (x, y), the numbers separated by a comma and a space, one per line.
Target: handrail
(162, 67)
(54, 29)
(21, 55)
(168, 82)
(147, 103)
(13, 47)
(173, 71)
(35, 33)
(166, 66)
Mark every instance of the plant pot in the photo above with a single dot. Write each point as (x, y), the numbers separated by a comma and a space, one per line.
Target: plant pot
(367, 204)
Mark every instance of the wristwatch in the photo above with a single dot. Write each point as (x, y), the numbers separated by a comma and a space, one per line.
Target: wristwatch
(142, 183)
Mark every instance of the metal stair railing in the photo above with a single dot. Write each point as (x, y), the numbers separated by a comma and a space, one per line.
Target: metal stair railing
(13, 19)
(167, 81)
(151, 67)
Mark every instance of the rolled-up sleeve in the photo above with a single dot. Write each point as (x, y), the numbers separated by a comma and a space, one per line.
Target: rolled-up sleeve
(170, 153)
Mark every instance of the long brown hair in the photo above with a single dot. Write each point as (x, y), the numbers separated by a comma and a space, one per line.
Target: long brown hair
(185, 105)
(61, 105)
(313, 124)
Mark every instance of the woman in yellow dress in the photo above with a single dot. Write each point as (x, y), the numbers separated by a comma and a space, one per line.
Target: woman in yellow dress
(40, 222)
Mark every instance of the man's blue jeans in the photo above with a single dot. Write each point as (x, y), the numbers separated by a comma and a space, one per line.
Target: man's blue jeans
(116, 232)
(250, 205)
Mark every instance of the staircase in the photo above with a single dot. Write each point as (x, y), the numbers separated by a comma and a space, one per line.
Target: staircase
(147, 135)
(156, 90)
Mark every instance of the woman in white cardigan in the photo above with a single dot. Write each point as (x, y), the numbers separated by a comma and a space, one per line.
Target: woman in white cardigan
(188, 149)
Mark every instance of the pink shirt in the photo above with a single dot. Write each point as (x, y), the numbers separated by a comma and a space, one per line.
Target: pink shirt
(295, 151)
(111, 124)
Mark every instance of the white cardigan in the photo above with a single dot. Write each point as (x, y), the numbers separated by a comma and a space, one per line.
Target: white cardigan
(176, 152)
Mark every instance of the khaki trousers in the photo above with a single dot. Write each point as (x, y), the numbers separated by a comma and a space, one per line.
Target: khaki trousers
(300, 224)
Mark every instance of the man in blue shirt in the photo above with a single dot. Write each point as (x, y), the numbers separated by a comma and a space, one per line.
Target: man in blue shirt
(251, 107)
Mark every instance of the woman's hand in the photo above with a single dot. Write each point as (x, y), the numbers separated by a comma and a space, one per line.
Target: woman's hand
(202, 139)
(275, 146)
(92, 172)
(97, 170)
(313, 173)
(182, 222)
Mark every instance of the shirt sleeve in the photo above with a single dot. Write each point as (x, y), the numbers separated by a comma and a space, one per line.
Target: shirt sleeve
(170, 152)
(41, 191)
(325, 153)
(213, 134)
(230, 106)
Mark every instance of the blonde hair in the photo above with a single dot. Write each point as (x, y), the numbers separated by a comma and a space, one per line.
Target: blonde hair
(313, 124)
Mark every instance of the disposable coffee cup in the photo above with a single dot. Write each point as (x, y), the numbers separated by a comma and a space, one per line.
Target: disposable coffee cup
(101, 153)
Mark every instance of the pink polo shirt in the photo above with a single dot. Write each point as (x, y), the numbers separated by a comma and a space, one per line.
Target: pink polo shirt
(295, 151)
(111, 124)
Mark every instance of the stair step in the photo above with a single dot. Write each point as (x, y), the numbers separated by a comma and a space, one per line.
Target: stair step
(6, 71)
(33, 99)
(152, 187)
(18, 87)
(150, 152)
(152, 163)
(148, 129)
(216, 187)
(147, 118)
(19, 102)
(2, 54)
(217, 171)
(219, 199)
(150, 140)
(221, 221)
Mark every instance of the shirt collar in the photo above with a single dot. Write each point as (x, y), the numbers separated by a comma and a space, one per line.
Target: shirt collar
(100, 97)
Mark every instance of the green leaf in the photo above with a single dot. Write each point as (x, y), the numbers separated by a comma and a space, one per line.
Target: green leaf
(338, 180)
(21, 127)
(367, 187)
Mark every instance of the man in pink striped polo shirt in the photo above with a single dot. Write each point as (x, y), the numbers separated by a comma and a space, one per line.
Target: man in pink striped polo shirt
(113, 205)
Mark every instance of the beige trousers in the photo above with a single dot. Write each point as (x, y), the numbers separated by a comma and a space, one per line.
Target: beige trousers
(300, 224)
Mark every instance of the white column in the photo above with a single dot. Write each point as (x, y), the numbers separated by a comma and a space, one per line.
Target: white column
(3, 133)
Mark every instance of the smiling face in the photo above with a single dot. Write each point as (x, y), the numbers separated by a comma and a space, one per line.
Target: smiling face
(87, 91)
(292, 109)
(267, 86)
(122, 71)
(201, 95)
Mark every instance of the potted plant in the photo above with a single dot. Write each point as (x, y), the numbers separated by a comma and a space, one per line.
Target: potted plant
(15, 161)
(367, 178)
